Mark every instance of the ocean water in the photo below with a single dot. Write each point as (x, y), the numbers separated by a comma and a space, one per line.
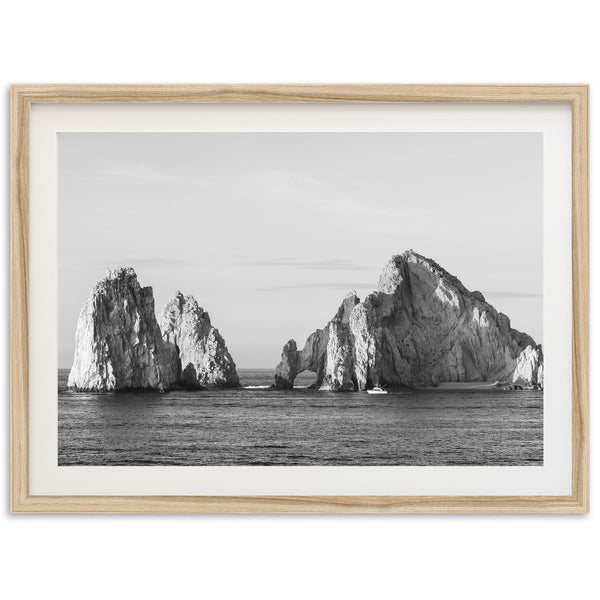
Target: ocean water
(259, 426)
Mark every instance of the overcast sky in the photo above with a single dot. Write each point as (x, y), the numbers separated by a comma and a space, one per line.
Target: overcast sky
(269, 231)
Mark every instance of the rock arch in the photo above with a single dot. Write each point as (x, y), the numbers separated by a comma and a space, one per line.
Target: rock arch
(325, 350)
(420, 327)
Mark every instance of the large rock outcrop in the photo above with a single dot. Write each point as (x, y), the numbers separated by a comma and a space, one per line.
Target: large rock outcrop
(421, 327)
(205, 360)
(118, 344)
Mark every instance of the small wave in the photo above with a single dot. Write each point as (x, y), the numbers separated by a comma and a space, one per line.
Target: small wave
(256, 387)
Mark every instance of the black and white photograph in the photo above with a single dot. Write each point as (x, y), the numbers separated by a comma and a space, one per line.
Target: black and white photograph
(299, 300)
(295, 299)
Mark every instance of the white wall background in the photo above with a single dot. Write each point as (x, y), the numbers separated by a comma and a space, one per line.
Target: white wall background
(522, 41)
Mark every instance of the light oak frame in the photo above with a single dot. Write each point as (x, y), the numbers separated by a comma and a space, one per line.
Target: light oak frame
(22, 96)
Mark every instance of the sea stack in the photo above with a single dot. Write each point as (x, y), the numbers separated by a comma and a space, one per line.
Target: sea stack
(420, 327)
(118, 343)
(205, 360)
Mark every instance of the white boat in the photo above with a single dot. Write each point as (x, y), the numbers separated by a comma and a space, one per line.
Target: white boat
(376, 390)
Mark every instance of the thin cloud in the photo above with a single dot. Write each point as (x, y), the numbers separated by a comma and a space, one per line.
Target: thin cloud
(315, 193)
(329, 285)
(161, 262)
(293, 263)
(265, 188)
(350, 285)
(149, 263)
(125, 173)
(512, 295)
(299, 263)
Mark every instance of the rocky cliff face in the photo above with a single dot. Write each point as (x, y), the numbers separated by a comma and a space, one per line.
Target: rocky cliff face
(205, 360)
(118, 344)
(421, 327)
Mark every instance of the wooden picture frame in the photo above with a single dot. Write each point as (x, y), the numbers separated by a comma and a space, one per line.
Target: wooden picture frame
(23, 96)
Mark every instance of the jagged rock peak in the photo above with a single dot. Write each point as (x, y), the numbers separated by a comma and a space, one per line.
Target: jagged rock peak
(422, 326)
(118, 344)
(205, 360)
(401, 266)
(347, 306)
(120, 273)
(189, 305)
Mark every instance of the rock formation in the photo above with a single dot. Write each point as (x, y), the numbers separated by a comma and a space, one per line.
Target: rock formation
(421, 327)
(118, 344)
(205, 360)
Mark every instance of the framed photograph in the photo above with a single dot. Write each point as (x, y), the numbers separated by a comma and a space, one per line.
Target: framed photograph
(299, 298)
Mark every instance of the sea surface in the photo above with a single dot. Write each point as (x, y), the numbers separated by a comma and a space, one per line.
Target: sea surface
(255, 425)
